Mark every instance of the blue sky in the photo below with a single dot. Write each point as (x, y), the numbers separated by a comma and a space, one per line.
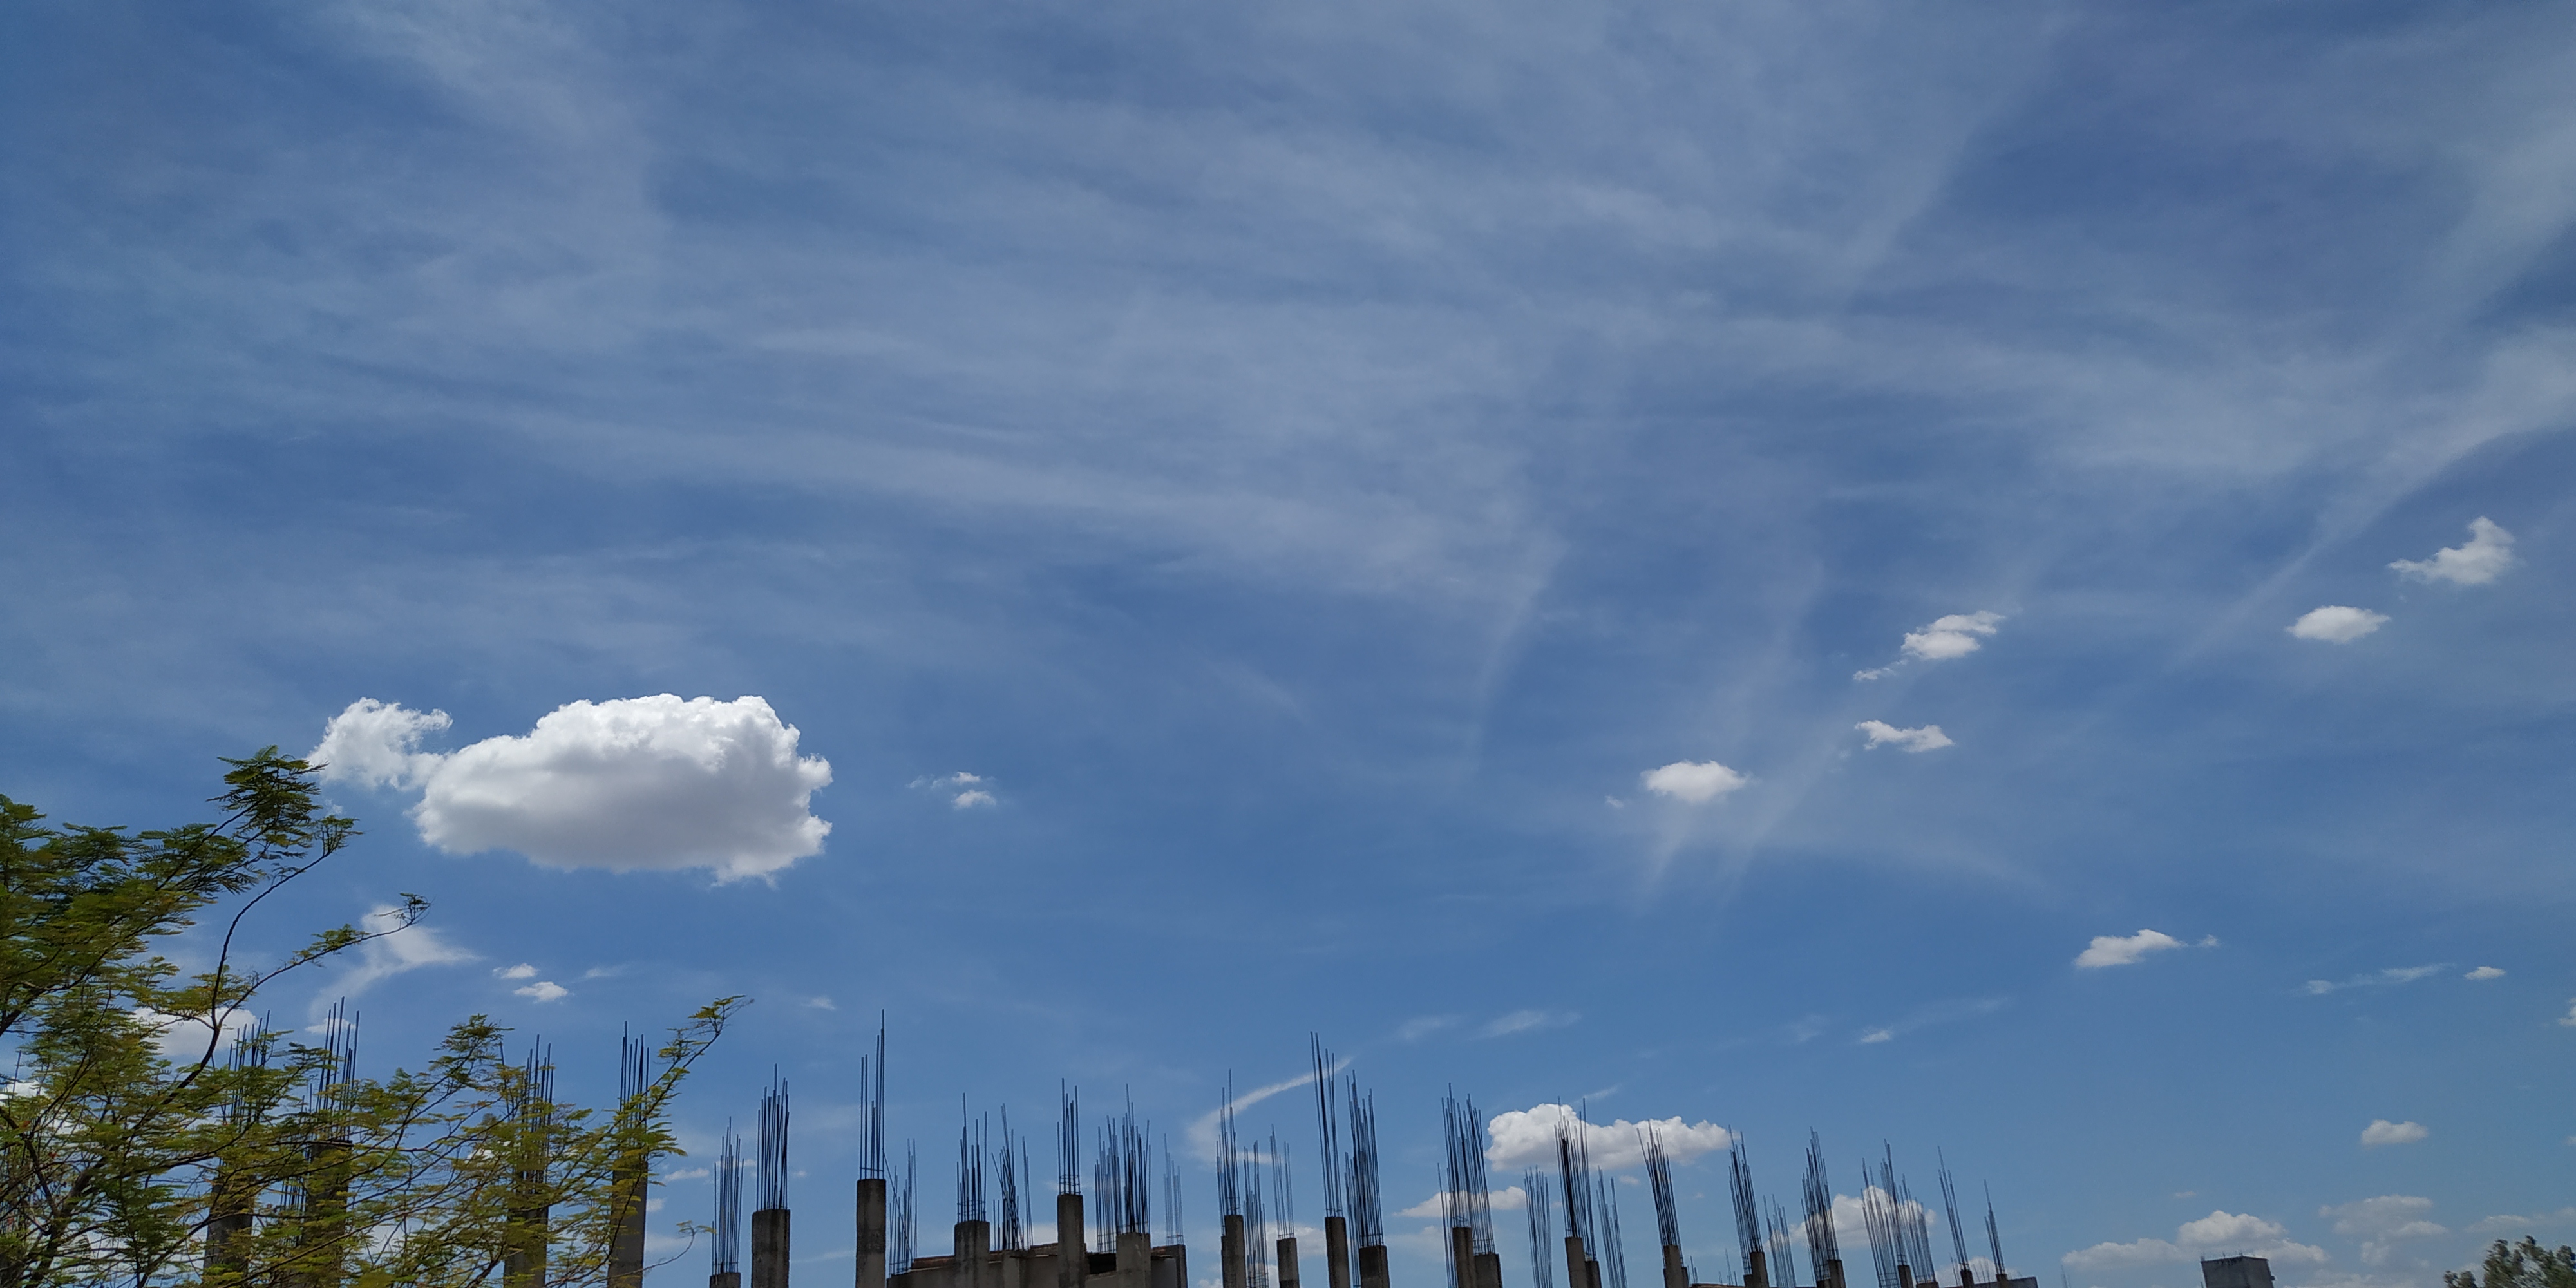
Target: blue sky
(1313, 466)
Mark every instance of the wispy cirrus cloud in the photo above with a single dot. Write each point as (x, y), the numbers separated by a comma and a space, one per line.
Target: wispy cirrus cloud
(2389, 977)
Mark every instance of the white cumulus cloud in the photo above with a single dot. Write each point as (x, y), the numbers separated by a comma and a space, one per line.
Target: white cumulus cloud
(1956, 635)
(2488, 552)
(2129, 950)
(2383, 1132)
(2219, 1233)
(626, 784)
(544, 990)
(2569, 1019)
(1927, 738)
(1695, 782)
(1527, 1138)
(2485, 972)
(2385, 1219)
(2337, 624)
(521, 971)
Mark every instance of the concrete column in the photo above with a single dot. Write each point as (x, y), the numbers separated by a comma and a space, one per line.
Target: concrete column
(725, 1279)
(1575, 1260)
(1072, 1251)
(1904, 1275)
(872, 1232)
(631, 1188)
(1833, 1275)
(1757, 1274)
(1337, 1252)
(1489, 1270)
(1676, 1275)
(1236, 1270)
(1135, 1259)
(1288, 1262)
(973, 1242)
(1462, 1256)
(228, 1231)
(1592, 1271)
(1373, 1267)
(768, 1248)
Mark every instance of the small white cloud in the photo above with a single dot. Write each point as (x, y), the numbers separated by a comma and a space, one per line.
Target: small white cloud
(687, 1174)
(2386, 1219)
(2484, 972)
(1509, 1199)
(1879, 1035)
(2383, 1132)
(1614, 802)
(972, 798)
(821, 1004)
(2569, 1019)
(2488, 553)
(1526, 1022)
(390, 953)
(521, 971)
(2337, 624)
(1927, 738)
(1527, 1138)
(2127, 950)
(2122, 1256)
(2535, 1221)
(1694, 782)
(544, 990)
(626, 784)
(1951, 636)
(1956, 635)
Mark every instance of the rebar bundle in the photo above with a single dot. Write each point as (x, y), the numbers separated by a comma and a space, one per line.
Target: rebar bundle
(773, 1146)
(1994, 1237)
(1822, 1248)
(902, 1224)
(872, 1154)
(1368, 1215)
(1123, 1178)
(1659, 1179)
(1328, 1127)
(1950, 1212)
(1912, 1220)
(1068, 1139)
(1878, 1214)
(727, 1255)
(338, 1064)
(1229, 1162)
(1464, 1189)
(1748, 1216)
(1613, 1254)
(1782, 1250)
(1173, 1233)
(1256, 1231)
(1283, 1198)
(1574, 1173)
(1011, 1233)
(970, 1165)
(1542, 1229)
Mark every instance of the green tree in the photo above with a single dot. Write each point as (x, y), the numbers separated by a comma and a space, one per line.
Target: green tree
(149, 1138)
(2522, 1265)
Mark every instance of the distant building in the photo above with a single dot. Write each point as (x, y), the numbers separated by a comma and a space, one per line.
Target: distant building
(2235, 1272)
